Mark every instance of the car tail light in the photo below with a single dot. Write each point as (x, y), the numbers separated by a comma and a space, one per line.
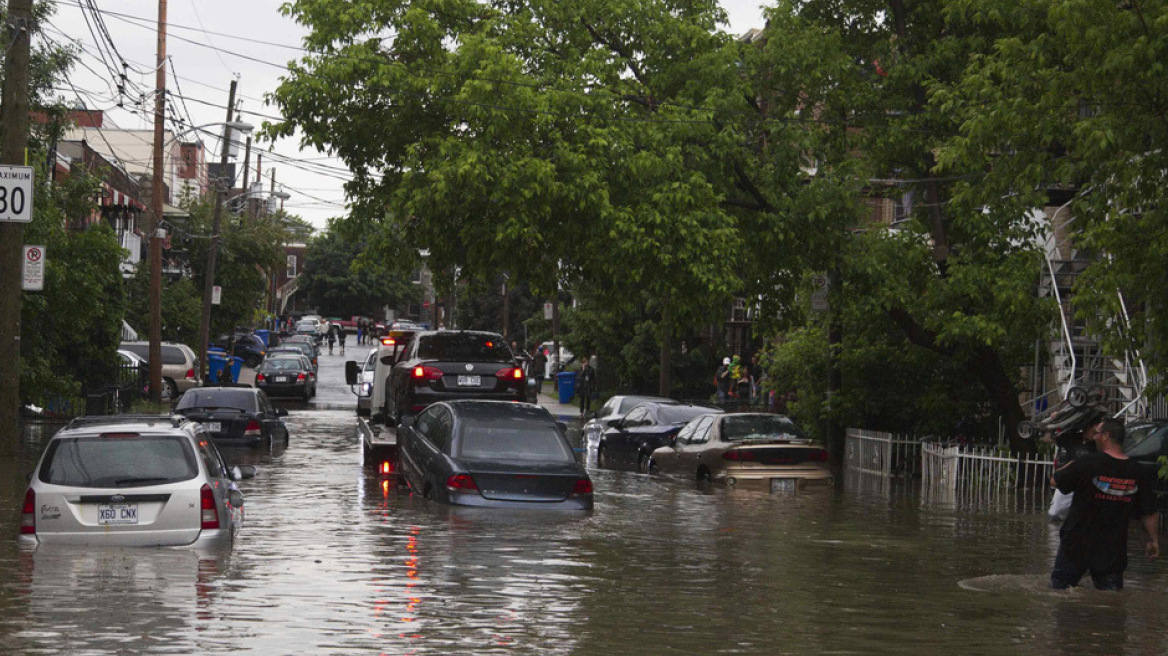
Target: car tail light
(386, 467)
(190, 374)
(300, 378)
(510, 373)
(817, 455)
(118, 435)
(260, 378)
(388, 341)
(426, 373)
(583, 486)
(28, 514)
(210, 511)
(734, 455)
(252, 428)
(461, 483)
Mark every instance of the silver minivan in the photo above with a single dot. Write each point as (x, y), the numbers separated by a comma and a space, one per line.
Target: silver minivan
(133, 481)
(180, 366)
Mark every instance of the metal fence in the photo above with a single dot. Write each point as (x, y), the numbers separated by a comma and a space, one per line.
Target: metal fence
(882, 454)
(984, 478)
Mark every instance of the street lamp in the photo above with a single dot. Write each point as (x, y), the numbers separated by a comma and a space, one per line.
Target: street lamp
(155, 347)
(213, 249)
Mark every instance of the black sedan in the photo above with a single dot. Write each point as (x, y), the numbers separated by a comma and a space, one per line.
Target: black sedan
(492, 454)
(298, 348)
(448, 365)
(235, 415)
(287, 375)
(630, 441)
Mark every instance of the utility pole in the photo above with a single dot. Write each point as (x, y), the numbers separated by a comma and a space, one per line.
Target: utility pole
(246, 175)
(14, 112)
(156, 205)
(221, 187)
(506, 310)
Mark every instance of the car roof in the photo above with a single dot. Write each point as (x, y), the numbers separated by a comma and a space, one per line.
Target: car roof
(480, 409)
(127, 423)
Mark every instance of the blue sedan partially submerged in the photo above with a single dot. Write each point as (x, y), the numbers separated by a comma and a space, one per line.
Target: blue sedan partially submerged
(492, 454)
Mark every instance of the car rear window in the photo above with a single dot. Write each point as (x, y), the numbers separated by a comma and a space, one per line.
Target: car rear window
(681, 413)
(760, 427)
(1145, 441)
(282, 364)
(526, 441)
(93, 461)
(211, 397)
(462, 347)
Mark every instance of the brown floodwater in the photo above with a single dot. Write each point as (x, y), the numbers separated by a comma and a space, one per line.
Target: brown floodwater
(335, 560)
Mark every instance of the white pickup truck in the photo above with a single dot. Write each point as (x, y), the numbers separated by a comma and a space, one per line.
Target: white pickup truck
(377, 432)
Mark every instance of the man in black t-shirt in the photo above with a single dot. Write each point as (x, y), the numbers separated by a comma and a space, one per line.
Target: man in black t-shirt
(1110, 489)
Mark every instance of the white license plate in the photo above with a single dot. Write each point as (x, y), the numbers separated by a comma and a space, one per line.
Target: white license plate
(281, 379)
(214, 426)
(117, 513)
(783, 484)
(470, 381)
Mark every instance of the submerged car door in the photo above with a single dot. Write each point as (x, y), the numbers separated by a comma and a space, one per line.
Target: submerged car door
(629, 435)
(273, 426)
(668, 459)
(429, 443)
(696, 449)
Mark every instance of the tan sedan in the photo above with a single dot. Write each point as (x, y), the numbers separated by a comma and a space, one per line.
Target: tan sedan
(744, 447)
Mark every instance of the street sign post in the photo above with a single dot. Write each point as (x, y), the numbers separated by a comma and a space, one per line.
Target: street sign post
(548, 311)
(33, 269)
(820, 286)
(216, 294)
(16, 194)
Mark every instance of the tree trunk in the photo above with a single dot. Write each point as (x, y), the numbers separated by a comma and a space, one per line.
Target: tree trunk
(986, 365)
(665, 379)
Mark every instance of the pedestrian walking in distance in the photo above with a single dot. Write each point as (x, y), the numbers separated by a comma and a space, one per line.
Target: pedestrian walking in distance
(1110, 490)
(722, 381)
(332, 339)
(539, 368)
(341, 340)
(587, 380)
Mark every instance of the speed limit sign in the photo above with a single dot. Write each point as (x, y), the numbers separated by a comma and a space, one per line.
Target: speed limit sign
(16, 194)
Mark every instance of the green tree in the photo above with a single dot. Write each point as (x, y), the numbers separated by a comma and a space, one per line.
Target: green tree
(342, 283)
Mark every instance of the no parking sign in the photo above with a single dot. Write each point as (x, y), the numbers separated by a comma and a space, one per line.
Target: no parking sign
(33, 269)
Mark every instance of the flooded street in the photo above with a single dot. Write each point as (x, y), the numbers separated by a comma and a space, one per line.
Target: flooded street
(334, 559)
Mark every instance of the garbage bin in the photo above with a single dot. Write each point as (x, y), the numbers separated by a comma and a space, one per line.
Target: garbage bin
(264, 336)
(216, 361)
(567, 385)
(236, 367)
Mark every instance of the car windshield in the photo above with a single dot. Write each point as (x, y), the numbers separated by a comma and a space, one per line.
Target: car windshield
(281, 364)
(760, 427)
(130, 461)
(679, 414)
(630, 402)
(213, 397)
(294, 347)
(463, 347)
(1144, 441)
(306, 325)
(511, 440)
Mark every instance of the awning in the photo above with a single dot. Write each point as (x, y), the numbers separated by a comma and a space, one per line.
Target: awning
(111, 197)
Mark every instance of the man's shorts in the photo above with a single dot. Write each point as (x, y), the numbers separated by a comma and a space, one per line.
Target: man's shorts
(1068, 571)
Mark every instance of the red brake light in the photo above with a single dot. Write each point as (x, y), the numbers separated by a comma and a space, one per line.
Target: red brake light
(252, 428)
(817, 455)
(583, 486)
(28, 513)
(299, 377)
(427, 373)
(210, 516)
(190, 374)
(260, 378)
(461, 483)
(386, 467)
(735, 455)
(514, 373)
(388, 341)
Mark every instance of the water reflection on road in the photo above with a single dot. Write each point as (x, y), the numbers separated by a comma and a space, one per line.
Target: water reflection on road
(333, 559)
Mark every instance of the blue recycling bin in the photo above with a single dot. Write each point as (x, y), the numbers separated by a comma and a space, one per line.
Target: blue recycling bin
(217, 360)
(263, 335)
(567, 385)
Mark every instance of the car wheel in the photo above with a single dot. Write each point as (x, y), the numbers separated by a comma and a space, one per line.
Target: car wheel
(601, 457)
(643, 463)
(307, 395)
(169, 391)
(286, 437)
(652, 468)
(704, 475)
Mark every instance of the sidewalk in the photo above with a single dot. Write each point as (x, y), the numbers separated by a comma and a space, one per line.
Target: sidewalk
(562, 412)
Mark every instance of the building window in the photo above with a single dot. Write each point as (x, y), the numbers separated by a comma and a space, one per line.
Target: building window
(291, 266)
(902, 208)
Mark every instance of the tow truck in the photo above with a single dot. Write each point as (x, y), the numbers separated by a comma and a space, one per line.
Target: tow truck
(377, 432)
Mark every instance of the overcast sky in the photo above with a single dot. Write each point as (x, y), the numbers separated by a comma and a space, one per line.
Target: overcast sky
(206, 53)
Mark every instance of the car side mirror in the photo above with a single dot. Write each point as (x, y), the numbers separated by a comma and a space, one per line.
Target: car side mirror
(407, 422)
(614, 423)
(563, 427)
(673, 441)
(351, 372)
(243, 472)
(281, 412)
